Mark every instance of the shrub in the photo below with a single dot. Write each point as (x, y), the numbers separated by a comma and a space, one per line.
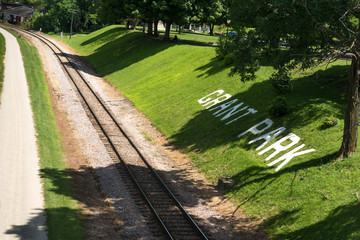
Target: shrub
(278, 107)
(229, 59)
(281, 82)
(329, 122)
(224, 47)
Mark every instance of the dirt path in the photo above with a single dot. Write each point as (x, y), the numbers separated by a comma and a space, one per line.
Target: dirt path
(21, 201)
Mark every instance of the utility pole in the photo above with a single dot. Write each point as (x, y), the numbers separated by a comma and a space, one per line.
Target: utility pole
(72, 19)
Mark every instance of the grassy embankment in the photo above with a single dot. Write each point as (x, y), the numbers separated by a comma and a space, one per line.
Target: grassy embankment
(308, 198)
(62, 214)
(2, 55)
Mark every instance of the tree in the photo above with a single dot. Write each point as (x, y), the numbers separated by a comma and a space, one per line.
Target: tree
(53, 15)
(316, 31)
(132, 10)
(112, 11)
(175, 11)
(88, 17)
(150, 13)
(211, 12)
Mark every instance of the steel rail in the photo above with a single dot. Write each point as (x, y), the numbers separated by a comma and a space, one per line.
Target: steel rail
(181, 208)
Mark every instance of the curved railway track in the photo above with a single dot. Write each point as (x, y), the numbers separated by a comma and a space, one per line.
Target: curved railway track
(172, 220)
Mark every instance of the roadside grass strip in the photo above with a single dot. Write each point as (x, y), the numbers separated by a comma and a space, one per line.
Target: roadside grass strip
(63, 218)
(282, 171)
(2, 56)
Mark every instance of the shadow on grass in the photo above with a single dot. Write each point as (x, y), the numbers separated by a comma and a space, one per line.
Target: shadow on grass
(205, 40)
(306, 103)
(119, 52)
(256, 174)
(342, 223)
(335, 77)
(65, 225)
(196, 43)
(120, 202)
(106, 36)
(124, 47)
(213, 67)
(125, 51)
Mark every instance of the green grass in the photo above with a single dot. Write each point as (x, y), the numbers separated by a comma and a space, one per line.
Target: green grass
(308, 198)
(187, 37)
(2, 56)
(62, 214)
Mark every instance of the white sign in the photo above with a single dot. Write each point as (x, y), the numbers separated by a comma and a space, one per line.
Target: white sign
(237, 109)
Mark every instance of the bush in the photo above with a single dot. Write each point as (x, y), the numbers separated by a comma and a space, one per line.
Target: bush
(224, 47)
(281, 82)
(229, 59)
(278, 107)
(329, 122)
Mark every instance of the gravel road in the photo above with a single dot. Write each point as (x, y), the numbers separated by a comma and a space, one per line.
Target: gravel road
(21, 200)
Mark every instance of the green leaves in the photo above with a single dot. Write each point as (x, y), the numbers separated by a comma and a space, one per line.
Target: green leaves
(314, 31)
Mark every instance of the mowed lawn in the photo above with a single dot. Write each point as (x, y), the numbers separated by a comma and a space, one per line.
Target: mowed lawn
(308, 198)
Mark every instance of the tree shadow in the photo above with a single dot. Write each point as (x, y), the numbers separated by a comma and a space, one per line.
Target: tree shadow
(118, 54)
(214, 226)
(336, 77)
(79, 63)
(342, 223)
(125, 51)
(257, 174)
(33, 229)
(284, 217)
(193, 42)
(106, 36)
(211, 68)
(205, 131)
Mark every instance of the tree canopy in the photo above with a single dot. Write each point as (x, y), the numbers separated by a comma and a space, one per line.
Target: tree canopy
(57, 15)
(211, 12)
(313, 31)
(169, 11)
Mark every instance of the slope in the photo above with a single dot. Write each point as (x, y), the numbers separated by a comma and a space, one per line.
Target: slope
(307, 198)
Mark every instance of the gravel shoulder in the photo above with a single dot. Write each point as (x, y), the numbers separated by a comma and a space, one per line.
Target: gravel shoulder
(105, 201)
(21, 200)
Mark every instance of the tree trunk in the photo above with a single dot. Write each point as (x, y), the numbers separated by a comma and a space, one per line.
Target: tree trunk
(156, 33)
(179, 29)
(351, 121)
(150, 28)
(167, 30)
(128, 24)
(212, 29)
(135, 23)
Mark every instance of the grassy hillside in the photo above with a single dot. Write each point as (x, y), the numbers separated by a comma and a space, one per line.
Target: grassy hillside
(308, 198)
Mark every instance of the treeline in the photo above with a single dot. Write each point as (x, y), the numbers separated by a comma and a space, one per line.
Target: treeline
(57, 15)
(181, 12)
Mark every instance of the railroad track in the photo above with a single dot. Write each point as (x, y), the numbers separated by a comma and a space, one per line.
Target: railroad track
(167, 217)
